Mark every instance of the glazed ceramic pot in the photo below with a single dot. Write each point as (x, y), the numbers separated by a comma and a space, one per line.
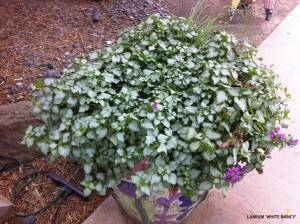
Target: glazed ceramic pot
(166, 207)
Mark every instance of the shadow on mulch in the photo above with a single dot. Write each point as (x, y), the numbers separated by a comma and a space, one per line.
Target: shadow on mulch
(42, 190)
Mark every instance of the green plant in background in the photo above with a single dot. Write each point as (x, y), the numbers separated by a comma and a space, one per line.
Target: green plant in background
(193, 103)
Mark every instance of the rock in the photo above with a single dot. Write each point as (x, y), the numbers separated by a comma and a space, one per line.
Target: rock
(77, 45)
(5, 207)
(50, 66)
(42, 53)
(148, 2)
(71, 55)
(107, 43)
(29, 220)
(19, 85)
(85, 50)
(29, 63)
(14, 90)
(37, 63)
(2, 78)
(45, 74)
(52, 73)
(46, 159)
(23, 32)
(11, 99)
(57, 75)
(14, 120)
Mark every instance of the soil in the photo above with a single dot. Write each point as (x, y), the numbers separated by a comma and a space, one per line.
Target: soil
(38, 38)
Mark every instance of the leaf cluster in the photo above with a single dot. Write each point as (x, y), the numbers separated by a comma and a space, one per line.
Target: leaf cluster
(158, 94)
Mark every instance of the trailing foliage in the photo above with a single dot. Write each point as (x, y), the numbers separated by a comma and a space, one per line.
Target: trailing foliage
(190, 110)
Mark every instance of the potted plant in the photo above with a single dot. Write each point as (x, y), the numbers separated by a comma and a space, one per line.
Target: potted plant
(192, 108)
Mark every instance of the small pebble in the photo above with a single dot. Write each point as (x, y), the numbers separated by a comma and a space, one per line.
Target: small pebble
(50, 73)
(70, 55)
(77, 45)
(57, 75)
(46, 159)
(29, 220)
(14, 90)
(50, 66)
(19, 84)
(2, 78)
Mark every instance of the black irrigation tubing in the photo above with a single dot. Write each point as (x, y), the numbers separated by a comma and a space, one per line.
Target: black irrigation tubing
(10, 158)
(65, 195)
(64, 192)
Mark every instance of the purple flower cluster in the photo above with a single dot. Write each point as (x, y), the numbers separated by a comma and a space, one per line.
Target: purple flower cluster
(292, 143)
(268, 155)
(272, 134)
(280, 137)
(155, 105)
(254, 85)
(234, 173)
(275, 134)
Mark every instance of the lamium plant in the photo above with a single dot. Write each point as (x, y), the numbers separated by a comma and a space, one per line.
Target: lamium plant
(197, 106)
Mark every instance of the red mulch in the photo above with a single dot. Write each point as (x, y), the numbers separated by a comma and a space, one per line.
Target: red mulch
(36, 33)
(42, 190)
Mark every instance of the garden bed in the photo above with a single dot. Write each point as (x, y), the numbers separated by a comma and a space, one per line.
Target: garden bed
(38, 38)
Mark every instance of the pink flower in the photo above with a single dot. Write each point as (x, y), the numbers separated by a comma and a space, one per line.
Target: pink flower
(254, 85)
(155, 105)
